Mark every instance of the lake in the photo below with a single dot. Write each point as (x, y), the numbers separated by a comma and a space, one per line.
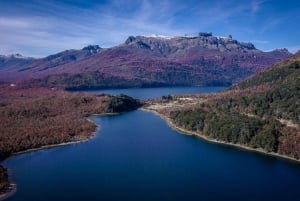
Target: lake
(137, 156)
(148, 93)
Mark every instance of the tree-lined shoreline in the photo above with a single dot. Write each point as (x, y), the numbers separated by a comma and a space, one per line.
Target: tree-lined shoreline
(40, 118)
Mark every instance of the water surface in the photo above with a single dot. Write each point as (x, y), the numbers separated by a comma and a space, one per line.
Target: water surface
(147, 93)
(137, 156)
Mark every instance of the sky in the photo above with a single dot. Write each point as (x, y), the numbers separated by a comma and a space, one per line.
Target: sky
(42, 27)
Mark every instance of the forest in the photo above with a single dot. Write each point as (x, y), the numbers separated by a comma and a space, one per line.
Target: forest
(142, 79)
(261, 112)
(35, 117)
(4, 183)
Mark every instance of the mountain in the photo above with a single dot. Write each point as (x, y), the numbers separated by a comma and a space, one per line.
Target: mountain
(148, 61)
(262, 112)
(17, 67)
(14, 61)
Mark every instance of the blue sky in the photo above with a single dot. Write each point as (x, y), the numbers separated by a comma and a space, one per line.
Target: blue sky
(42, 27)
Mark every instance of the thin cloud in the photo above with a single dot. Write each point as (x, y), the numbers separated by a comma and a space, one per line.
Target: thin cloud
(293, 49)
(272, 23)
(256, 5)
(45, 27)
(260, 41)
(59, 28)
(226, 13)
(13, 23)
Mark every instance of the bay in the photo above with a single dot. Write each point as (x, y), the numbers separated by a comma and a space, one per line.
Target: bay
(137, 156)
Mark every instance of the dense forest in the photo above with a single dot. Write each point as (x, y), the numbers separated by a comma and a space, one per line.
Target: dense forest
(34, 117)
(88, 80)
(97, 80)
(4, 183)
(261, 112)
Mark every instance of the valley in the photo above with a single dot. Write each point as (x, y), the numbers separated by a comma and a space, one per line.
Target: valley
(260, 113)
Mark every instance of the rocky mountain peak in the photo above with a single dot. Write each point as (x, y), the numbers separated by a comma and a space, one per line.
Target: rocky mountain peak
(151, 60)
(130, 39)
(205, 34)
(93, 49)
(15, 56)
(282, 50)
(166, 46)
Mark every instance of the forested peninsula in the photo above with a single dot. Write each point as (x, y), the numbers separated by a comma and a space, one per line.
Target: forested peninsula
(34, 118)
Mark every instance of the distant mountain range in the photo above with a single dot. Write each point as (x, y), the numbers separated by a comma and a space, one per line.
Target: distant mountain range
(144, 61)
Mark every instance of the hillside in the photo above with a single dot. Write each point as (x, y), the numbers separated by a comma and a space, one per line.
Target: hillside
(146, 61)
(262, 112)
(38, 117)
(31, 118)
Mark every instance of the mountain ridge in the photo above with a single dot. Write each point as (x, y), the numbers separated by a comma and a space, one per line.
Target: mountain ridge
(200, 60)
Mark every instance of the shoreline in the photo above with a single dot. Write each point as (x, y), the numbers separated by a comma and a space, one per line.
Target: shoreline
(67, 143)
(63, 143)
(204, 137)
(13, 186)
(9, 192)
(50, 146)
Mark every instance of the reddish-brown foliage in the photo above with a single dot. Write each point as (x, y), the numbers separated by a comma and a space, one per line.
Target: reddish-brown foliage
(35, 117)
(31, 118)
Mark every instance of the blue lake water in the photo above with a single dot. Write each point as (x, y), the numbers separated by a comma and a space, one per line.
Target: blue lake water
(137, 156)
(148, 93)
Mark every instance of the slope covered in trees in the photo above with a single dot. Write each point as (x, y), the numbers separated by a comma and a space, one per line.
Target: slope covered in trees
(4, 184)
(262, 112)
(31, 118)
(36, 117)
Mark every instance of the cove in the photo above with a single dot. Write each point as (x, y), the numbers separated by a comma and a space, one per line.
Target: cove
(137, 156)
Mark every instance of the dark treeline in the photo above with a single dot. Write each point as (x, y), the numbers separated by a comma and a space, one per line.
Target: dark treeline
(230, 127)
(4, 183)
(143, 79)
(267, 119)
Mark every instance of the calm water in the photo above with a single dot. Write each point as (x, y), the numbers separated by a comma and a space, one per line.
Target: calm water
(136, 156)
(147, 93)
